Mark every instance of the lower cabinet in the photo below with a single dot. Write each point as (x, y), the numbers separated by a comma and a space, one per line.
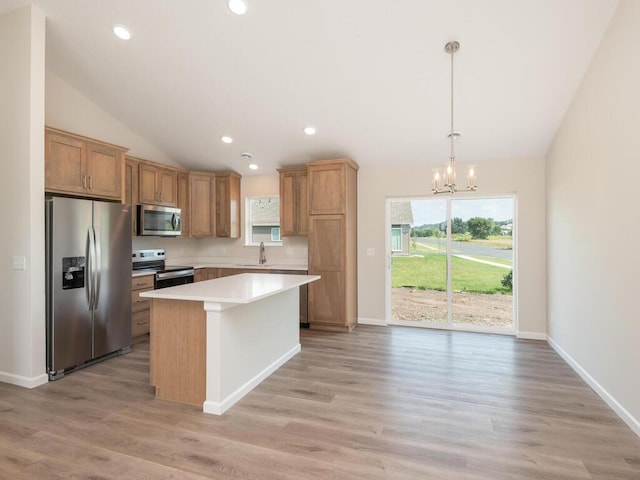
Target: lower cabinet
(202, 274)
(140, 307)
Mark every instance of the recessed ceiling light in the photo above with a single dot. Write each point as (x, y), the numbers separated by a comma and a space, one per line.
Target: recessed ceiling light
(310, 130)
(249, 159)
(237, 6)
(121, 32)
(226, 139)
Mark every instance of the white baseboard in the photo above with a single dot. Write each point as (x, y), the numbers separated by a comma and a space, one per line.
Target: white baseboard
(531, 336)
(372, 321)
(218, 408)
(27, 382)
(622, 412)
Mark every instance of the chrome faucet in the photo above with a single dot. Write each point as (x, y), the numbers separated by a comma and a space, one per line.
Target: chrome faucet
(263, 259)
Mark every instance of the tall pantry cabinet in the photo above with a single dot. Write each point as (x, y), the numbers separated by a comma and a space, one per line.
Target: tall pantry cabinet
(333, 300)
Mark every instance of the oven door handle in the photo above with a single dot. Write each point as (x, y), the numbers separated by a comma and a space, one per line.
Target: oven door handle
(178, 273)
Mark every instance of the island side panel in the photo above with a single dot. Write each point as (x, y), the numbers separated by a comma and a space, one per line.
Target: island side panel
(178, 351)
(254, 340)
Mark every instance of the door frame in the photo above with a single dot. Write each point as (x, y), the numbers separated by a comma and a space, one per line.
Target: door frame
(449, 325)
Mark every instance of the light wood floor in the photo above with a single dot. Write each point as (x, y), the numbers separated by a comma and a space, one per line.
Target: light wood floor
(378, 403)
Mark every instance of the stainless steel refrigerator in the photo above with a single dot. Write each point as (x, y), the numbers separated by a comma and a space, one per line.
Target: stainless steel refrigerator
(88, 282)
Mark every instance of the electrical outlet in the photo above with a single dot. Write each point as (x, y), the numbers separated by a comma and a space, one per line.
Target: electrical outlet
(19, 263)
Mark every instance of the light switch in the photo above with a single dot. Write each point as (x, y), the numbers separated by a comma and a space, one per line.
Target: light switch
(371, 252)
(19, 263)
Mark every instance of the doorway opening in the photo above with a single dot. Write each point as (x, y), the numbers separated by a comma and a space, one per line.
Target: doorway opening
(451, 263)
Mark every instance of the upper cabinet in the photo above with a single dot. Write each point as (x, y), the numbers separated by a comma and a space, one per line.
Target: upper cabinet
(227, 210)
(202, 204)
(294, 201)
(214, 204)
(157, 185)
(328, 186)
(81, 166)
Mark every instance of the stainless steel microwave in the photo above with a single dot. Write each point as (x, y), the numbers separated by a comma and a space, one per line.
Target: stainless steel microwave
(155, 220)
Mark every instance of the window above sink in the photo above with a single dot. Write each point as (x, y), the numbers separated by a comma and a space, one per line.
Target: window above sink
(262, 214)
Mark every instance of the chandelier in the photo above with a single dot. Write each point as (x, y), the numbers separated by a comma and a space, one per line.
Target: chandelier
(445, 182)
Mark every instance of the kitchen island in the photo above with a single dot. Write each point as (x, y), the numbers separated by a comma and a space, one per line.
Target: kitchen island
(212, 342)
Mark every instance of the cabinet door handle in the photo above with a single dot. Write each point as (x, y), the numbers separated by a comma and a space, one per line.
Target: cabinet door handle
(90, 182)
(84, 182)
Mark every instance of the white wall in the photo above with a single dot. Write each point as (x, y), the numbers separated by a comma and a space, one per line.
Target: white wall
(22, 311)
(524, 177)
(593, 224)
(68, 109)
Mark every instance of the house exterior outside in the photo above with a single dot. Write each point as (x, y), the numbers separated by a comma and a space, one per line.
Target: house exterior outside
(264, 219)
(401, 221)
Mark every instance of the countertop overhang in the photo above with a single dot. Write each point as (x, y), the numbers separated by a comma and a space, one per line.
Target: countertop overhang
(236, 289)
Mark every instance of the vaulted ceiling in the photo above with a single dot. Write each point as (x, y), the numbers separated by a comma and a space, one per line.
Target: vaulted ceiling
(371, 75)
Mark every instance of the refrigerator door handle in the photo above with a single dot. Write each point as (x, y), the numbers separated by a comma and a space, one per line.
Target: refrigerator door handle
(88, 278)
(97, 267)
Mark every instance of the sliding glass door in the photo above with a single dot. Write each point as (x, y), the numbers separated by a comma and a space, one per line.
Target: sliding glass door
(419, 280)
(451, 262)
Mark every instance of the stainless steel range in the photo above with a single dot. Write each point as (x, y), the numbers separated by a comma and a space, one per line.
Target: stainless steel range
(164, 276)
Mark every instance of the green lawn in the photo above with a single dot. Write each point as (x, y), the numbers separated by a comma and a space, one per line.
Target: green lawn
(429, 272)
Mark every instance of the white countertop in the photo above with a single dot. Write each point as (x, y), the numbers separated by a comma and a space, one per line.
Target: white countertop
(239, 289)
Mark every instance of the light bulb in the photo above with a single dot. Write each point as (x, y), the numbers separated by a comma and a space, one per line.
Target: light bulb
(122, 32)
(237, 6)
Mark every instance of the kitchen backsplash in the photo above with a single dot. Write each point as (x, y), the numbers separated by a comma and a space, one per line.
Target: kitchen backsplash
(292, 252)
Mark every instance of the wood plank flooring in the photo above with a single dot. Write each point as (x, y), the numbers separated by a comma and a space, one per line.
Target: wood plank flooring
(378, 403)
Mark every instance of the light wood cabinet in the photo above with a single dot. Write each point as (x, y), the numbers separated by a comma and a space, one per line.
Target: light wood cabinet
(183, 203)
(333, 300)
(157, 185)
(294, 201)
(329, 185)
(81, 166)
(227, 272)
(227, 210)
(214, 204)
(131, 190)
(202, 204)
(199, 275)
(202, 274)
(140, 307)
